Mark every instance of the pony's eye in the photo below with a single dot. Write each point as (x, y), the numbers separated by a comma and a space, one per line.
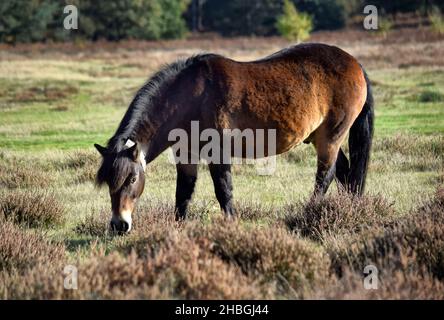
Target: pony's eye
(133, 179)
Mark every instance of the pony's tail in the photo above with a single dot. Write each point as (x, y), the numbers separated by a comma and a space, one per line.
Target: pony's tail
(360, 142)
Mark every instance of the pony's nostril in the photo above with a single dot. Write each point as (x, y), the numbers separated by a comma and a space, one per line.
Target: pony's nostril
(125, 226)
(113, 226)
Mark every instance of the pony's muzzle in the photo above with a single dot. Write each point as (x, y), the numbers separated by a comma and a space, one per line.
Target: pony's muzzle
(121, 226)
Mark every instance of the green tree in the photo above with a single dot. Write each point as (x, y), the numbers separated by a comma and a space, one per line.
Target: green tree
(25, 21)
(39, 20)
(241, 17)
(294, 25)
(173, 24)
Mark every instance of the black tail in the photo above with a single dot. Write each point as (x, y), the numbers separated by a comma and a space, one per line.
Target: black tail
(360, 142)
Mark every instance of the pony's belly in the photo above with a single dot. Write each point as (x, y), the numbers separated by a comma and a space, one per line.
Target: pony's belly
(258, 143)
(276, 136)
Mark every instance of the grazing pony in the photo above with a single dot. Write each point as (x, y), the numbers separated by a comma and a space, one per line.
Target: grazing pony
(311, 93)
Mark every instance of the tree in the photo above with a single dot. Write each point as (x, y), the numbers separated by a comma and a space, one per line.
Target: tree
(40, 20)
(25, 21)
(241, 17)
(294, 25)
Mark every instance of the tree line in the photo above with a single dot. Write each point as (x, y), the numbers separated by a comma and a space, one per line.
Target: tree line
(42, 20)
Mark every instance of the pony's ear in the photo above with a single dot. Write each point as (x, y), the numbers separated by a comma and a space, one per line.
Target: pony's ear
(133, 152)
(102, 150)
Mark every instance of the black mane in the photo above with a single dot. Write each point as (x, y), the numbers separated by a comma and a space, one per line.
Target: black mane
(115, 166)
(139, 110)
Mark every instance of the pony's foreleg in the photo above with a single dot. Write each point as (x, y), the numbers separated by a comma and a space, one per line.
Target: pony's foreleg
(223, 186)
(186, 181)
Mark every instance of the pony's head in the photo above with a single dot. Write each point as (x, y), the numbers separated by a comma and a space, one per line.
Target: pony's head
(123, 172)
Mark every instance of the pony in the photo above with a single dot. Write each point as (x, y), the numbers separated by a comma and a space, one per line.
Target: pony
(308, 93)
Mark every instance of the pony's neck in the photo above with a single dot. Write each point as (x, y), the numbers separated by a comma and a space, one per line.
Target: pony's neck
(154, 111)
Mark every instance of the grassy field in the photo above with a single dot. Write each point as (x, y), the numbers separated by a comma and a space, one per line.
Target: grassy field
(56, 102)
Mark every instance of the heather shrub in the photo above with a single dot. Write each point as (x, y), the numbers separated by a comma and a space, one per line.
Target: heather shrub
(95, 224)
(31, 208)
(22, 175)
(269, 253)
(22, 249)
(396, 285)
(181, 269)
(339, 213)
(416, 240)
(84, 163)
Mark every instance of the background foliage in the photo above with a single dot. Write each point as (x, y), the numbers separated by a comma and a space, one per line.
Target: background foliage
(42, 20)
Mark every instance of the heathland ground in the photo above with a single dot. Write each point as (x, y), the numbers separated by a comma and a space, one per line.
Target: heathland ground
(57, 100)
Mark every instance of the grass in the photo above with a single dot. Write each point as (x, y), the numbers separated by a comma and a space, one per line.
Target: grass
(53, 110)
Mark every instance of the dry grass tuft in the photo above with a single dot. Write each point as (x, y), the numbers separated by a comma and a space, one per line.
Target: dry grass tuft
(31, 208)
(341, 213)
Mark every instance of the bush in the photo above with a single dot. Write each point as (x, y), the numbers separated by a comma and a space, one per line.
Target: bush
(85, 164)
(327, 15)
(31, 208)
(21, 250)
(293, 25)
(26, 21)
(437, 21)
(270, 254)
(22, 175)
(415, 242)
(240, 17)
(339, 214)
(430, 96)
(384, 26)
(397, 285)
(41, 20)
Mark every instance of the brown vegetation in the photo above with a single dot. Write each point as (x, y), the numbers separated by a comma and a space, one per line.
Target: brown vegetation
(31, 208)
(233, 260)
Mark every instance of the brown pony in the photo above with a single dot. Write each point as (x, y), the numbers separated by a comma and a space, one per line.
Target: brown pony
(312, 93)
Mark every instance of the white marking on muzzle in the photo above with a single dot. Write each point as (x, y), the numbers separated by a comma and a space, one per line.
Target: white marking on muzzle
(126, 217)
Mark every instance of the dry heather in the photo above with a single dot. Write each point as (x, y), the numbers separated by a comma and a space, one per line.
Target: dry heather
(18, 174)
(179, 270)
(20, 249)
(83, 163)
(222, 259)
(95, 224)
(414, 242)
(31, 208)
(338, 215)
(270, 254)
(408, 152)
(394, 286)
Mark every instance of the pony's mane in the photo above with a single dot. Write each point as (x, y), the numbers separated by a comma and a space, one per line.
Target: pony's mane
(115, 167)
(114, 171)
(139, 110)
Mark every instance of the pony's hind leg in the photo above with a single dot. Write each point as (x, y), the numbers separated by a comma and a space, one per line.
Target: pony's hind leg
(325, 172)
(327, 149)
(223, 186)
(186, 181)
(342, 169)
